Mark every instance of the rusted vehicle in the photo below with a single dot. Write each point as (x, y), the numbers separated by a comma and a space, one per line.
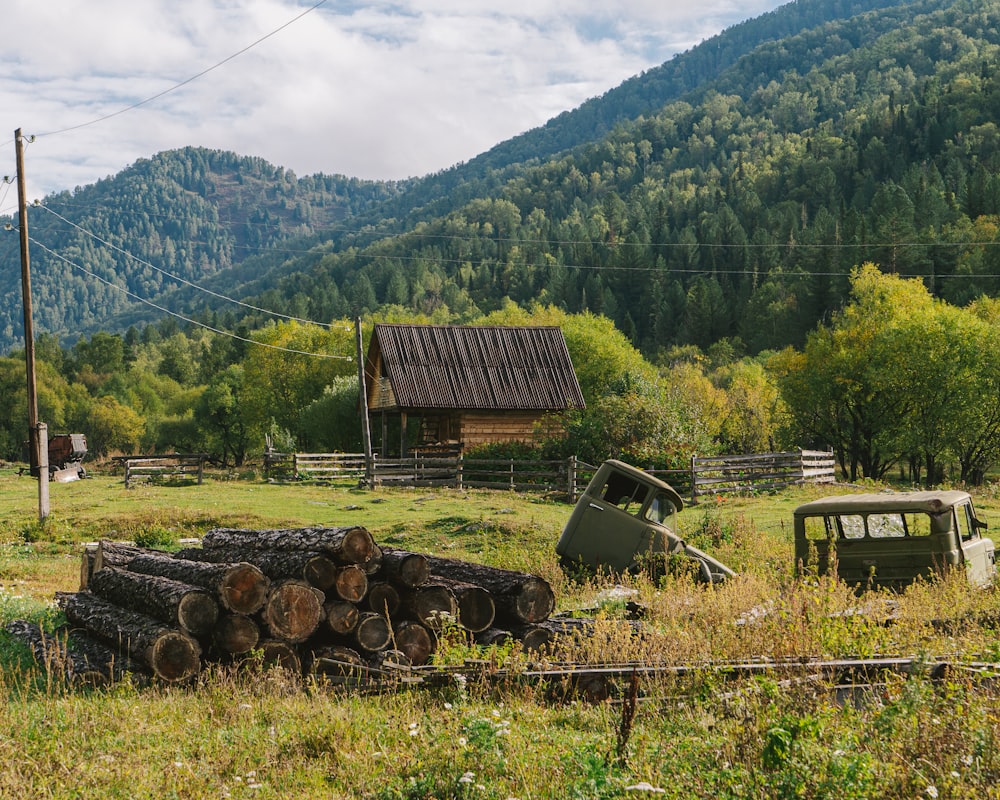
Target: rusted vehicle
(627, 519)
(892, 539)
(66, 454)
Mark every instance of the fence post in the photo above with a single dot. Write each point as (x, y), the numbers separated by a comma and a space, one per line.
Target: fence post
(295, 465)
(571, 477)
(694, 481)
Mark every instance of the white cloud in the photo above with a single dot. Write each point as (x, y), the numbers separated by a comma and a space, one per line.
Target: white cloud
(373, 90)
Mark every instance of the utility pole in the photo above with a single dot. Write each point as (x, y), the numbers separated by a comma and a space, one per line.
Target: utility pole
(366, 433)
(37, 432)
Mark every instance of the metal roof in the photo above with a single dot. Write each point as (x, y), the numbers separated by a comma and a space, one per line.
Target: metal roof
(495, 368)
(884, 503)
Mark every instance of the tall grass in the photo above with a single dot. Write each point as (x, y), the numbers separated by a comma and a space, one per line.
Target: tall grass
(251, 732)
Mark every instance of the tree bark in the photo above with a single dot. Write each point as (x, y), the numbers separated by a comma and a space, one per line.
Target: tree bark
(519, 597)
(190, 608)
(293, 610)
(61, 655)
(114, 554)
(315, 568)
(352, 545)
(240, 587)
(171, 654)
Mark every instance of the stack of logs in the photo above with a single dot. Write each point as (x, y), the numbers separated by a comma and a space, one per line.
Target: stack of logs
(320, 600)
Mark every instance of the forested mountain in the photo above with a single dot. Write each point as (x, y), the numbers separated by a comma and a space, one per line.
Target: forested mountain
(189, 213)
(723, 196)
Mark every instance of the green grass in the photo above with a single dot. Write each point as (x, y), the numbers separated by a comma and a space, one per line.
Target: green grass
(264, 734)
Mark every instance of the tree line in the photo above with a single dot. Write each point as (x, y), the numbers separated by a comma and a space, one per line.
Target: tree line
(897, 380)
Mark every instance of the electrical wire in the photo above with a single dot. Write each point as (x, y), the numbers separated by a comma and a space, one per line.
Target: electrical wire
(185, 82)
(185, 281)
(188, 320)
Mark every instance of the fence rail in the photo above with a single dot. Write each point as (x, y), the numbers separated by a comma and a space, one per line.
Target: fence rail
(761, 471)
(163, 466)
(707, 475)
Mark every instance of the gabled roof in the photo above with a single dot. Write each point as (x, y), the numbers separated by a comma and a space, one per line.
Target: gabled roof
(475, 367)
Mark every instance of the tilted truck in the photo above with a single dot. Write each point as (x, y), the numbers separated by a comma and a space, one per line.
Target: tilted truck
(890, 539)
(627, 519)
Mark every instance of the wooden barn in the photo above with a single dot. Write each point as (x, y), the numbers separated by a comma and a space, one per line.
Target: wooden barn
(465, 385)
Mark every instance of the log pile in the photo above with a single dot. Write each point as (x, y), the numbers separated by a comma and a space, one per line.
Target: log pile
(329, 601)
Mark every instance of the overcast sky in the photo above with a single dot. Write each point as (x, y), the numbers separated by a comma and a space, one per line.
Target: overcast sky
(367, 89)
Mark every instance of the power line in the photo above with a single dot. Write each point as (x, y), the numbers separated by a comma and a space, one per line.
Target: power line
(185, 82)
(185, 281)
(188, 320)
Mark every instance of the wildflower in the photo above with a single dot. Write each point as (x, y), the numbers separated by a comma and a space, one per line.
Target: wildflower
(467, 777)
(967, 759)
(447, 706)
(931, 791)
(462, 741)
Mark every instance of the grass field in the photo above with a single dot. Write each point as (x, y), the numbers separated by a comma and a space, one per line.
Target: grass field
(259, 733)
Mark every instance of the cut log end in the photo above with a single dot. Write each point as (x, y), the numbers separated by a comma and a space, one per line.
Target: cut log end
(244, 589)
(174, 657)
(534, 601)
(293, 611)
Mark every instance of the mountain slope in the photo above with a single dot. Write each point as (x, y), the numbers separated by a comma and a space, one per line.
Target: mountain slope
(515, 222)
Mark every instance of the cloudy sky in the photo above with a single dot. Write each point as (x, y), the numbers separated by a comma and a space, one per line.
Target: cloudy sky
(368, 89)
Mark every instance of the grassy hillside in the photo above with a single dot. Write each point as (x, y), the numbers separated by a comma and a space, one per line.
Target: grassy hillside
(252, 733)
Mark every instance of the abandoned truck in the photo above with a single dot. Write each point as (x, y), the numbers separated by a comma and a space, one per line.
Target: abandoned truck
(66, 453)
(627, 519)
(892, 539)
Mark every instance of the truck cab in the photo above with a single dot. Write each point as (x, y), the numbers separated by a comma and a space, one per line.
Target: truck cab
(892, 539)
(624, 517)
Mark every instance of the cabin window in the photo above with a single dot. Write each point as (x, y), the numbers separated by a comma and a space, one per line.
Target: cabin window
(965, 522)
(817, 529)
(625, 492)
(852, 526)
(886, 526)
(661, 510)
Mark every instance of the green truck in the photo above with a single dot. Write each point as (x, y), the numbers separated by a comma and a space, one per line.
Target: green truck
(890, 539)
(627, 519)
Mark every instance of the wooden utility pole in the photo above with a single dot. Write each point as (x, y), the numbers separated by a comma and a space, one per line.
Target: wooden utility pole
(37, 433)
(366, 432)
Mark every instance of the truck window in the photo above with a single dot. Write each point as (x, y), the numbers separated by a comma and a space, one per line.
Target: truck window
(886, 526)
(660, 510)
(852, 526)
(964, 519)
(817, 529)
(625, 492)
(917, 524)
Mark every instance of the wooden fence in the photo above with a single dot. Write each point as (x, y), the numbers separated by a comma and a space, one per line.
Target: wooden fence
(169, 466)
(707, 475)
(760, 472)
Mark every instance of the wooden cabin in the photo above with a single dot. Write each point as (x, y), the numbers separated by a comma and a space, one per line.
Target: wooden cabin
(464, 385)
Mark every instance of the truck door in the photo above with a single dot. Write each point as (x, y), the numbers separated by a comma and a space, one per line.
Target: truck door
(977, 551)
